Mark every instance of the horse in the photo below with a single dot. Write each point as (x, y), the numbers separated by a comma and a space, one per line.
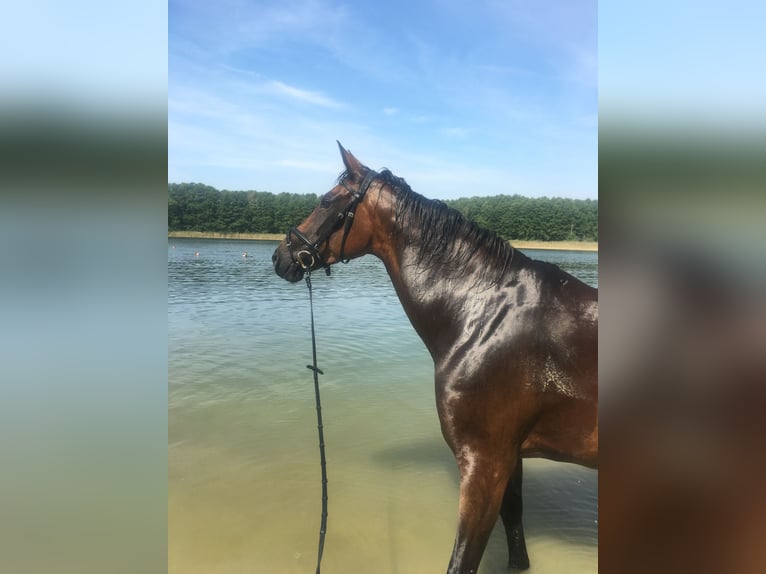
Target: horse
(514, 341)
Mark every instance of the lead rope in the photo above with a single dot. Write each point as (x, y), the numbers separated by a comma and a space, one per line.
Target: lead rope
(317, 371)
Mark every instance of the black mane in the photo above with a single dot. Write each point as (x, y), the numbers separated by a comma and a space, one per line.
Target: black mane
(445, 236)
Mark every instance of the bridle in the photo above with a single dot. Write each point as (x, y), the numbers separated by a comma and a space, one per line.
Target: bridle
(310, 254)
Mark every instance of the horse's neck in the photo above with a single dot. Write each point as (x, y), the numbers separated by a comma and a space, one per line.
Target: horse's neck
(433, 297)
(440, 297)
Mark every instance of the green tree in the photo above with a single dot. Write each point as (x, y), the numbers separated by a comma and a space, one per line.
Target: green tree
(199, 207)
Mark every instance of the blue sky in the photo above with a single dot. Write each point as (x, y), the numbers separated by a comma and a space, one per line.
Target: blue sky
(459, 98)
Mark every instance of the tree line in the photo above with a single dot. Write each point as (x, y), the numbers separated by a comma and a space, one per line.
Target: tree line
(199, 207)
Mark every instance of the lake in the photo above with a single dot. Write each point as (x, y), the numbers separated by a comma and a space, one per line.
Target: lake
(244, 482)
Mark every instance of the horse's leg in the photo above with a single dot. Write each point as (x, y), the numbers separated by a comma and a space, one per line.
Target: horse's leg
(483, 479)
(511, 511)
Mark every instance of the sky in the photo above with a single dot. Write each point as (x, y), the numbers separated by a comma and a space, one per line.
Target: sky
(460, 98)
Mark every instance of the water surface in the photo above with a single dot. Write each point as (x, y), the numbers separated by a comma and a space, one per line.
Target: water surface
(244, 478)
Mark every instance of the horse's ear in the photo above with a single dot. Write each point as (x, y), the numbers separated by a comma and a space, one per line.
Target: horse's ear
(352, 164)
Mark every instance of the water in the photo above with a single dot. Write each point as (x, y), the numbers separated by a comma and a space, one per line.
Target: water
(244, 478)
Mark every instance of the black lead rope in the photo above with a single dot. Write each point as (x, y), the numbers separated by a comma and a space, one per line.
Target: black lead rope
(306, 258)
(317, 371)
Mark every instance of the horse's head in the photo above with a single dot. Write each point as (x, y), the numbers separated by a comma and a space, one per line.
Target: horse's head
(339, 228)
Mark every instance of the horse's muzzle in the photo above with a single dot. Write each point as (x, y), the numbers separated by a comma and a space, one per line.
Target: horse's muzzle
(285, 266)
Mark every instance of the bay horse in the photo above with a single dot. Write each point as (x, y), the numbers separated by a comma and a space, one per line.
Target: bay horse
(514, 340)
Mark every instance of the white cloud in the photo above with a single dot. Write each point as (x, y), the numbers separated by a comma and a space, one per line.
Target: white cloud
(306, 96)
(455, 132)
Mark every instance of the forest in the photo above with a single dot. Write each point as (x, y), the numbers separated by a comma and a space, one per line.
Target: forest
(199, 207)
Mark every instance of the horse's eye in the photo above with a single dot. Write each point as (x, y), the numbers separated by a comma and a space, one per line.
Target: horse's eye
(326, 200)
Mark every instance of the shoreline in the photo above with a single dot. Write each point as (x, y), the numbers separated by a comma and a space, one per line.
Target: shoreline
(217, 235)
(557, 245)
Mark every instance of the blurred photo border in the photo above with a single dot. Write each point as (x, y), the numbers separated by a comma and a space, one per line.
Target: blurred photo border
(83, 288)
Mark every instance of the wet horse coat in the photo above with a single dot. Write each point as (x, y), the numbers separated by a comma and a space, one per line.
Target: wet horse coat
(513, 340)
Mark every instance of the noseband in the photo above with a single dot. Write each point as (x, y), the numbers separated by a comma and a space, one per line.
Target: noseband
(310, 255)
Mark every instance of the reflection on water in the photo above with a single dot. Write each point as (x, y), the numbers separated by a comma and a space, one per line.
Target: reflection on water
(244, 479)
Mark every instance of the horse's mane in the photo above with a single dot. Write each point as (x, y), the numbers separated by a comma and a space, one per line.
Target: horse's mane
(445, 236)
